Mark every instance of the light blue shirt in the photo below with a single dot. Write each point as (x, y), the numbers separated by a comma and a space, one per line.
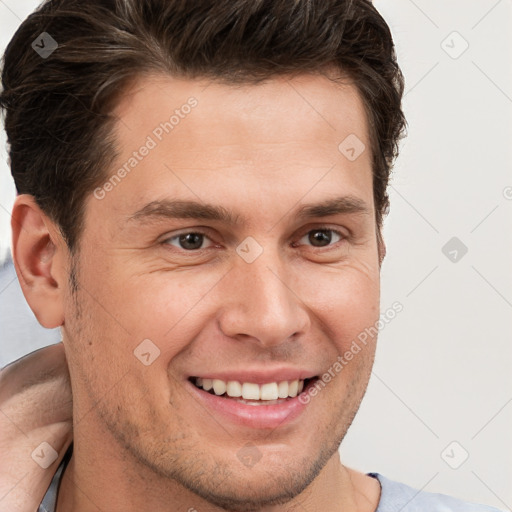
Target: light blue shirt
(394, 496)
(398, 497)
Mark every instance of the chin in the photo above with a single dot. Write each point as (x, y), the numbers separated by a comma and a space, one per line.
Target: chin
(275, 479)
(255, 488)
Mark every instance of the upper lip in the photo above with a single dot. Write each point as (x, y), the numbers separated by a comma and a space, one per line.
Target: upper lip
(259, 376)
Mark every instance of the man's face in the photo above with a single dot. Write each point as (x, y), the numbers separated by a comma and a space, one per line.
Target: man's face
(268, 297)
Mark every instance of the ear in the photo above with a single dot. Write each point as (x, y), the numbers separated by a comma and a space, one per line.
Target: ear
(381, 246)
(39, 257)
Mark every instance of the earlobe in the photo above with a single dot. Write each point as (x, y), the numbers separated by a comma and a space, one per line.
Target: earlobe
(39, 261)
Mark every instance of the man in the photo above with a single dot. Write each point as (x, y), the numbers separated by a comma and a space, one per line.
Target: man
(201, 192)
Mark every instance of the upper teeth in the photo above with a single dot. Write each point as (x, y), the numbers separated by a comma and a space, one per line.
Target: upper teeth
(250, 390)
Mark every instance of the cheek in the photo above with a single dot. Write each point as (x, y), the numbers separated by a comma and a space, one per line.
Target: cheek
(104, 360)
(346, 300)
(158, 312)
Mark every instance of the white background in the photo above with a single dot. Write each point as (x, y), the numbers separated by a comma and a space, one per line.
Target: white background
(443, 365)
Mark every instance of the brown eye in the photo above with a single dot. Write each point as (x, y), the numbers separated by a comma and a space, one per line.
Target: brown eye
(322, 237)
(190, 241)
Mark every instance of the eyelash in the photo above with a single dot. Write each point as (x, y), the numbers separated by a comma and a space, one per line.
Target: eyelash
(205, 234)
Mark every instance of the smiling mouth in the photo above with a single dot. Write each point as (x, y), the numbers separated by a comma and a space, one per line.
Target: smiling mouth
(250, 393)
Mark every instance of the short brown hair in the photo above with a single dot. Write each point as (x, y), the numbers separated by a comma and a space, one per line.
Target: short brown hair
(58, 109)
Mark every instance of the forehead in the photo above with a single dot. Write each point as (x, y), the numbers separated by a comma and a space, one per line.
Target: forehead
(180, 137)
(303, 108)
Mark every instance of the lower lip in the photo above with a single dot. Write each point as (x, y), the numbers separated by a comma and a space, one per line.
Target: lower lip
(254, 416)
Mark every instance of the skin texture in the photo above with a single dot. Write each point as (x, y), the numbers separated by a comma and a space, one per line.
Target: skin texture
(142, 440)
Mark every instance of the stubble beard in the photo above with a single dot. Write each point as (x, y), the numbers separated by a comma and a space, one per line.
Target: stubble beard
(181, 461)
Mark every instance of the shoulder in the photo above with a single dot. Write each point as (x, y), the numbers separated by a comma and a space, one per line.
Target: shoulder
(398, 496)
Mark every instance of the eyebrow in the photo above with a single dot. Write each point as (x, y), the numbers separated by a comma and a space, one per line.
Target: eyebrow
(181, 209)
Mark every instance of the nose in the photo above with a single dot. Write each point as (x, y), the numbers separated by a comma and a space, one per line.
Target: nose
(263, 302)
